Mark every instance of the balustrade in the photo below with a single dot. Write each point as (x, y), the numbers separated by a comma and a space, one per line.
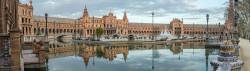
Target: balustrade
(38, 38)
(6, 51)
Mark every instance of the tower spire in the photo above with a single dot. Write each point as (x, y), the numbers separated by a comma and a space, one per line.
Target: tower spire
(30, 3)
(85, 14)
(125, 16)
(85, 7)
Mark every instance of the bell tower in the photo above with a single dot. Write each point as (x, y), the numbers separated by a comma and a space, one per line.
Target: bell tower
(125, 16)
(30, 3)
(85, 14)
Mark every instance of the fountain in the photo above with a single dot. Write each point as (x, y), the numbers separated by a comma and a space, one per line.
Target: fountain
(227, 59)
(165, 35)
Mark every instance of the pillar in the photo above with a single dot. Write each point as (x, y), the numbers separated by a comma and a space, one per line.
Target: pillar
(32, 31)
(42, 54)
(28, 31)
(15, 49)
(34, 45)
(22, 39)
(3, 17)
(37, 47)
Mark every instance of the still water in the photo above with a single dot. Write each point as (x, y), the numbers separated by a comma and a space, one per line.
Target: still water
(188, 56)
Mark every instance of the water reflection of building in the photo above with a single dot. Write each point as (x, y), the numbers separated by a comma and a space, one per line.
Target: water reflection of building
(85, 51)
(177, 48)
(109, 53)
(57, 51)
(88, 51)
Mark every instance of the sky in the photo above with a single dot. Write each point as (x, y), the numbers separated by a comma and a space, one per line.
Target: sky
(138, 11)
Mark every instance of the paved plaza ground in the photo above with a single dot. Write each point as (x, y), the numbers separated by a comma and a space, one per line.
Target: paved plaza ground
(244, 53)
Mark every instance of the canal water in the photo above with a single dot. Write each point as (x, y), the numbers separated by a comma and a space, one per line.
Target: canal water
(187, 56)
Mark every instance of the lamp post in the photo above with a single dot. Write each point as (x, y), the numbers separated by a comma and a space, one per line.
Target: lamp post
(152, 25)
(54, 31)
(207, 27)
(75, 30)
(193, 30)
(236, 15)
(46, 30)
(93, 28)
(59, 28)
(38, 29)
(153, 65)
(219, 32)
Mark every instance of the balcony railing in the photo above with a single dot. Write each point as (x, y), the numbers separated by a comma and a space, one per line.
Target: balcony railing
(37, 38)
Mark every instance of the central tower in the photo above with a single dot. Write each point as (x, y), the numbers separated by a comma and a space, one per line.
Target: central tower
(85, 13)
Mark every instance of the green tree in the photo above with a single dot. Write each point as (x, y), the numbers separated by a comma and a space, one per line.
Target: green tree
(99, 33)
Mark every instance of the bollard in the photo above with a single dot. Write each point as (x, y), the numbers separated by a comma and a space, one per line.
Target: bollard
(41, 44)
(37, 50)
(42, 53)
(34, 45)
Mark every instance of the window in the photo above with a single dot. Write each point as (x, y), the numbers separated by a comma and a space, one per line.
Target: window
(23, 30)
(25, 20)
(22, 20)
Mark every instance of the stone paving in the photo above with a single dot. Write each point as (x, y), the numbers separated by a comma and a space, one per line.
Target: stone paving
(29, 57)
(244, 53)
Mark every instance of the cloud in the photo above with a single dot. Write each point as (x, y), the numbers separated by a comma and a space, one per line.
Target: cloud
(142, 8)
(191, 18)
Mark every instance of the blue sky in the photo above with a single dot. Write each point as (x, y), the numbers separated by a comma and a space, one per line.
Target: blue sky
(192, 11)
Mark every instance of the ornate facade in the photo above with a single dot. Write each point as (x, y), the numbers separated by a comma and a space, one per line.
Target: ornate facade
(25, 12)
(10, 42)
(109, 23)
(85, 26)
(229, 23)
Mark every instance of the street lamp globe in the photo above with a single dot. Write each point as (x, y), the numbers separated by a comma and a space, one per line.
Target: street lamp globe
(207, 17)
(46, 15)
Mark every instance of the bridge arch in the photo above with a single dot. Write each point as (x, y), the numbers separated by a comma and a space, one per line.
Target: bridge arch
(49, 31)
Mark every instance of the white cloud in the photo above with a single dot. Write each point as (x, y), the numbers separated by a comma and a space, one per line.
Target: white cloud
(139, 9)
